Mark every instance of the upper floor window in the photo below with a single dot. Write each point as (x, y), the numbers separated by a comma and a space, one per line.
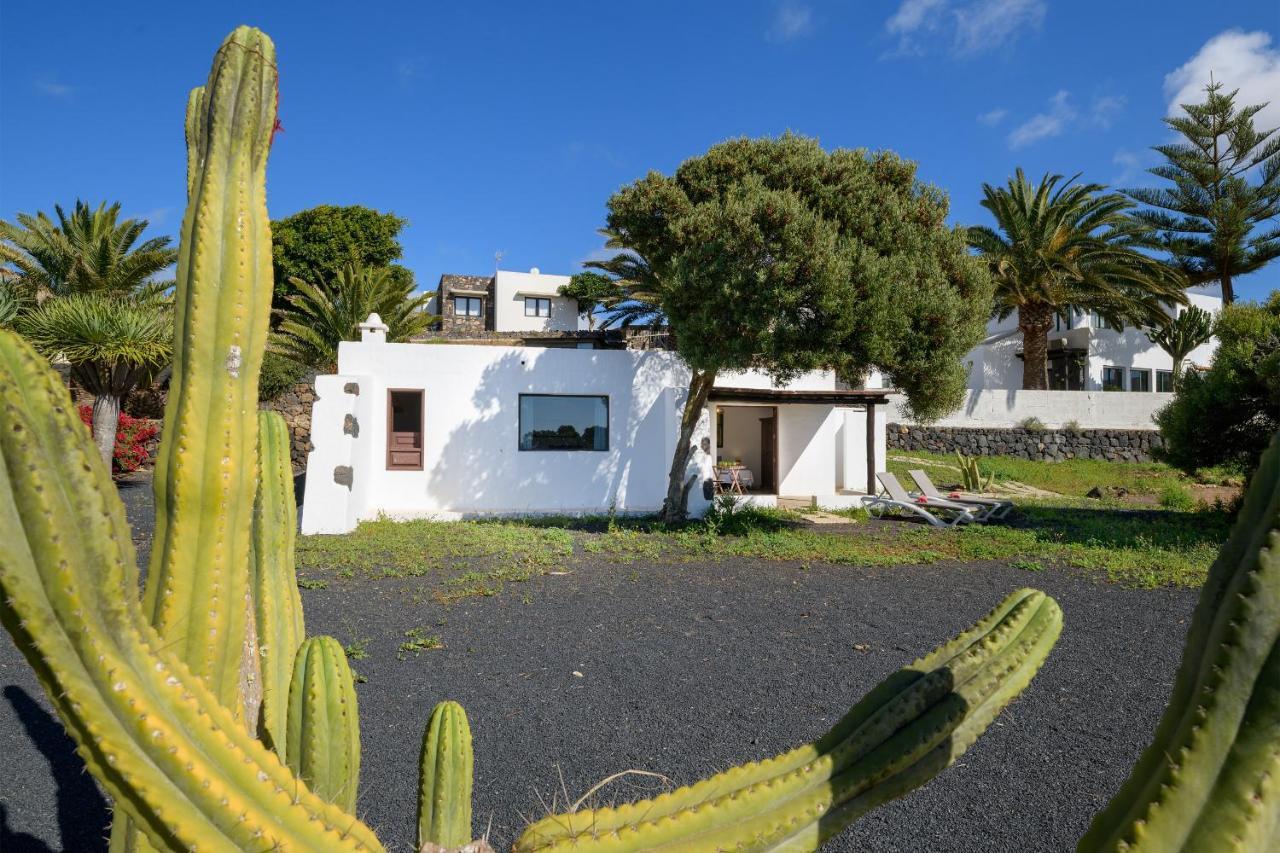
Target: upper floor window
(1164, 381)
(1139, 380)
(564, 422)
(468, 306)
(1113, 379)
(1100, 322)
(535, 306)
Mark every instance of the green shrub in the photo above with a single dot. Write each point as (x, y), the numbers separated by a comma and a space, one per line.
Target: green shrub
(278, 375)
(1072, 426)
(1034, 424)
(1176, 497)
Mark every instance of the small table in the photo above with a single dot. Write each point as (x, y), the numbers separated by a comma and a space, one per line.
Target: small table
(738, 476)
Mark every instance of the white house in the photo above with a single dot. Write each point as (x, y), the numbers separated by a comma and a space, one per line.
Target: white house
(454, 431)
(526, 303)
(1099, 376)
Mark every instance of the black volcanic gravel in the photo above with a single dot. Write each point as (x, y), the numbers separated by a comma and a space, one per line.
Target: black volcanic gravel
(686, 669)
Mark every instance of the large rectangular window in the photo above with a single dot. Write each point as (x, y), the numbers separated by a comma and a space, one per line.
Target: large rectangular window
(1139, 380)
(1100, 322)
(1113, 379)
(1164, 381)
(404, 430)
(468, 306)
(564, 422)
(537, 307)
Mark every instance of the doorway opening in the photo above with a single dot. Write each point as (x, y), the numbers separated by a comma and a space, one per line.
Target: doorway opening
(747, 449)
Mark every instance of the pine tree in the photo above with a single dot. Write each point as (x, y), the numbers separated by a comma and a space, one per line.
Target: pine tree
(1226, 177)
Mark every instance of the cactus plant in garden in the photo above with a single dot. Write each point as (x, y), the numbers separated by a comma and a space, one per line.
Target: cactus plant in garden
(971, 474)
(177, 702)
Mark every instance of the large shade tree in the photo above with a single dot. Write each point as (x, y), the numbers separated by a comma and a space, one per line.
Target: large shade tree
(777, 255)
(320, 315)
(88, 250)
(1218, 219)
(113, 344)
(1061, 245)
(318, 243)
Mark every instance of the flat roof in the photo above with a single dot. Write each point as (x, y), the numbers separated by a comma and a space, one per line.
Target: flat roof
(875, 396)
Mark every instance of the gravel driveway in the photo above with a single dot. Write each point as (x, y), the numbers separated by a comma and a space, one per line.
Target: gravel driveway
(686, 669)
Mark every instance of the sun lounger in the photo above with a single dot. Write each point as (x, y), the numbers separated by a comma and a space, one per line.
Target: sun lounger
(939, 512)
(991, 508)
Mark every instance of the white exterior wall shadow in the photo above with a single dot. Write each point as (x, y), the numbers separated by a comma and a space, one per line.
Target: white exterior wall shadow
(1055, 409)
(472, 464)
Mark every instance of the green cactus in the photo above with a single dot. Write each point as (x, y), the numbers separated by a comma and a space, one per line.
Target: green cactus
(903, 733)
(323, 728)
(1210, 780)
(444, 783)
(277, 605)
(972, 475)
(197, 591)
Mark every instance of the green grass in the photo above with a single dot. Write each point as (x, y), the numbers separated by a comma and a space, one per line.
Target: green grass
(1072, 477)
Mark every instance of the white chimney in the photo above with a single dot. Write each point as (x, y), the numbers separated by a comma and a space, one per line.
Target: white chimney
(533, 270)
(373, 330)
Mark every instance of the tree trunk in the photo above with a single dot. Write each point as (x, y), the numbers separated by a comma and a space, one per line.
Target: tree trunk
(1228, 291)
(106, 419)
(1177, 368)
(1035, 321)
(676, 507)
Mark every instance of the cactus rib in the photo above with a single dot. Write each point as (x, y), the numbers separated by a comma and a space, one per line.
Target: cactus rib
(198, 584)
(173, 759)
(323, 726)
(1209, 778)
(445, 780)
(901, 734)
(277, 604)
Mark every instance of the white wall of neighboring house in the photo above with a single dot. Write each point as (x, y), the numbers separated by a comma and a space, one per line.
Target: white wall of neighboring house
(472, 464)
(509, 292)
(994, 397)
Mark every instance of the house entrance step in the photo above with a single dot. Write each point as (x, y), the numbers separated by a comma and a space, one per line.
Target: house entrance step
(796, 501)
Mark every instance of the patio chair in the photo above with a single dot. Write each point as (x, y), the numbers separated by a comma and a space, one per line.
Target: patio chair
(939, 512)
(993, 509)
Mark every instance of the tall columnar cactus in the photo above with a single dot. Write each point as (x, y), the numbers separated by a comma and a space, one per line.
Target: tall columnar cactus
(1210, 780)
(323, 727)
(277, 605)
(197, 591)
(903, 733)
(445, 778)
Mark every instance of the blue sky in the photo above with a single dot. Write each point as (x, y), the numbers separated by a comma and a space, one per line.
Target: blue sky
(504, 127)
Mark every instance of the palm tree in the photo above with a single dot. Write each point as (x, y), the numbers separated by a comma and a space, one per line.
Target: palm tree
(91, 250)
(320, 316)
(113, 344)
(1179, 335)
(1063, 245)
(642, 290)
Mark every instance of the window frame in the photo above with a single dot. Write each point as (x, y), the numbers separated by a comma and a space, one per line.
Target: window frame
(421, 431)
(1140, 371)
(1161, 374)
(478, 300)
(537, 304)
(1123, 377)
(608, 429)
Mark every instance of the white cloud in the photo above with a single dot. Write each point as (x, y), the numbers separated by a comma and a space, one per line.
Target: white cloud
(993, 117)
(1051, 122)
(51, 87)
(964, 27)
(1104, 109)
(1237, 60)
(791, 20)
(1131, 164)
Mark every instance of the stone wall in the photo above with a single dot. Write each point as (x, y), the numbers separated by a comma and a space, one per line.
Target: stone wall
(295, 406)
(1051, 445)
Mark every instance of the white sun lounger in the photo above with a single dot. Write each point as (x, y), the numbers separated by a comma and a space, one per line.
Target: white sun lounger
(990, 508)
(939, 512)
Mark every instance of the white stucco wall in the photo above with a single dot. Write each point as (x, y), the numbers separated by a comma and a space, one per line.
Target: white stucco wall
(1008, 407)
(509, 291)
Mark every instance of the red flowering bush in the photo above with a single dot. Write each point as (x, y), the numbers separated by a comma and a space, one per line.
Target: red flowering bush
(132, 435)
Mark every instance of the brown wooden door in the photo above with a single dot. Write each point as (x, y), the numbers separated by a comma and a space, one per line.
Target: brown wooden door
(768, 482)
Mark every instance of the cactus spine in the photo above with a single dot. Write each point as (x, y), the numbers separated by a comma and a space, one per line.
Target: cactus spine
(1210, 780)
(277, 605)
(197, 591)
(323, 727)
(444, 783)
(972, 474)
(900, 735)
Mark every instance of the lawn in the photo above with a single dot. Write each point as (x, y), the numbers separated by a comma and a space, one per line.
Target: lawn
(1139, 547)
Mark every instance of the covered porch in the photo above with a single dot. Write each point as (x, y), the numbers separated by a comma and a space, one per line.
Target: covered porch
(794, 448)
